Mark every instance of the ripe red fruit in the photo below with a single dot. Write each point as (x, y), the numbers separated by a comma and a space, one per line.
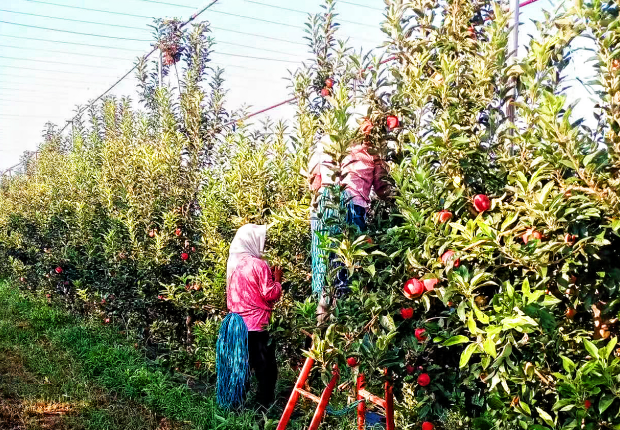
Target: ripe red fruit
(184, 256)
(429, 284)
(329, 82)
(444, 216)
(482, 203)
(324, 92)
(366, 127)
(448, 256)
(531, 234)
(406, 313)
(392, 122)
(410, 369)
(58, 270)
(587, 404)
(413, 288)
(177, 232)
(570, 313)
(420, 334)
(424, 379)
(427, 426)
(352, 361)
(570, 239)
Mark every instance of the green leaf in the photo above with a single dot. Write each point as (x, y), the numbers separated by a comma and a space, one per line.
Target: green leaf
(387, 322)
(471, 324)
(466, 355)
(545, 417)
(489, 347)
(610, 347)
(591, 348)
(568, 364)
(455, 340)
(481, 316)
(605, 402)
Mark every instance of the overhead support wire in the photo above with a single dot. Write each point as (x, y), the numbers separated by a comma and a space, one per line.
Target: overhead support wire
(74, 32)
(81, 111)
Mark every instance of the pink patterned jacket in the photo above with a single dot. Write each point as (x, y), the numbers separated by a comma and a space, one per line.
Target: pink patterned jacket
(252, 292)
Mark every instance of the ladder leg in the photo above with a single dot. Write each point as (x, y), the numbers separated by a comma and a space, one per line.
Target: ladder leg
(361, 408)
(320, 410)
(288, 411)
(389, 405)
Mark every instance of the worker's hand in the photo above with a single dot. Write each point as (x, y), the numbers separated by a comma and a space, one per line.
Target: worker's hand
(277, 274)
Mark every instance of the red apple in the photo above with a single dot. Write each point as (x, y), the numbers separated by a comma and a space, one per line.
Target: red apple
(58, 270)
(406, 313)
(482, 203)
(392, 122)
(570, 239)
(413, 288)
(587, 404)
(429, 284)
(531, 234)
(448, 257)
(366, 126)
(427, 426)
(420, 334)
(424, 379)
(352, 361)
(184, 256)
(329, 82)
(324, 92)
(444, 216)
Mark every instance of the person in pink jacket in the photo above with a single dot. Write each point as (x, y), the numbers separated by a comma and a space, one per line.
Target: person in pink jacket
(252, 290)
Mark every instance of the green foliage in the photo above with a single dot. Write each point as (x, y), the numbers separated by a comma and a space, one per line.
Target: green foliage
(521, 324)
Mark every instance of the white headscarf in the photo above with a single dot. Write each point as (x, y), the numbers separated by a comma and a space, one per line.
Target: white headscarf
(249, 241)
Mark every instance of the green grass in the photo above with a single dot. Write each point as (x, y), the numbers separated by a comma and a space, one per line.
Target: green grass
(58, 371)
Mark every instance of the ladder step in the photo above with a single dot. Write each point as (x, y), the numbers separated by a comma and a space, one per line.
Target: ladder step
(308, 395)
(372, 398)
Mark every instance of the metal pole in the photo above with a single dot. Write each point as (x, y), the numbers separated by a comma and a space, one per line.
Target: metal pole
(513, 46)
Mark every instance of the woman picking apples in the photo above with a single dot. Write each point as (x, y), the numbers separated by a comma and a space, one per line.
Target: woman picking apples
(252, 290)
(361, 173)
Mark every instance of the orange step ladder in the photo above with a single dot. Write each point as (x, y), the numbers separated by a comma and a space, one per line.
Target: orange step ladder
(387, 404)
(298, 390)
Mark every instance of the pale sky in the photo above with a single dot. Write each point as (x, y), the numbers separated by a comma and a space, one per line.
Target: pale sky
(45, 73)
